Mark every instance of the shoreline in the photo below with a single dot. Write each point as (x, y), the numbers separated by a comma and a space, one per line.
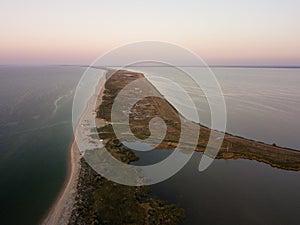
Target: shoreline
(233, 146)
(61, 210)
(110, 201)
(230, 135)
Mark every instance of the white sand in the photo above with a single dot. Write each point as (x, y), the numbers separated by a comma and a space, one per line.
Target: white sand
(61, 210)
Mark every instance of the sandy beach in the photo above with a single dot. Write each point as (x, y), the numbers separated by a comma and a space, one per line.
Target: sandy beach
(233, 147)
(61, 210)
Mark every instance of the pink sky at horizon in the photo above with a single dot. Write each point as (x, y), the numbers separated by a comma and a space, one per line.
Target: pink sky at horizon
(65, 32)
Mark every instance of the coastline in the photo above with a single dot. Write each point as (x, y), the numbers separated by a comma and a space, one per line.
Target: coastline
(234, 147)
(61, 210)
(100, 199)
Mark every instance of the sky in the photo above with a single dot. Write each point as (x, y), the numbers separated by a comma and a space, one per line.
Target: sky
(228, 32)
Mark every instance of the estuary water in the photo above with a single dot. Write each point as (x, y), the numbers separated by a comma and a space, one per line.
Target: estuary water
(36, 133)
(263, 104)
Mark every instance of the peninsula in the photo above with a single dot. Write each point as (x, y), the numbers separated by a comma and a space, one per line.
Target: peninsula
(99, 201)
(233, 147)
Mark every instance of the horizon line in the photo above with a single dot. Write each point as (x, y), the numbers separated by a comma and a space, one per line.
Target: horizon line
(213, 65)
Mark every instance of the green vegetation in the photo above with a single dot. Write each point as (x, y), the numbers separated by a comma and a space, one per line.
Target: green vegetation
(100, 201)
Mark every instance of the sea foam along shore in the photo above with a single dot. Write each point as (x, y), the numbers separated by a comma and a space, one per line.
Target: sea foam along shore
(61, 210)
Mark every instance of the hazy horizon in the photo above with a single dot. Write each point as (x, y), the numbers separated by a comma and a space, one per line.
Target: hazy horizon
(236, 33)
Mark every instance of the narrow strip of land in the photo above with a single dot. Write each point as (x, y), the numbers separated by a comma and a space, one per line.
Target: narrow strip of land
(61, 210)
(233, 147)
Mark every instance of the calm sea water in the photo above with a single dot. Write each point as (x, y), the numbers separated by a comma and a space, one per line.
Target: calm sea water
(35, 135)
(262, 104)
(36, 132)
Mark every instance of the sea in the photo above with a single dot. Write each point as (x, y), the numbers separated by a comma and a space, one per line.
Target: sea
(262, 104)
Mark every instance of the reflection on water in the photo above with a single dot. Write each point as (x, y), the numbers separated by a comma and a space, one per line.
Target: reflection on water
(262, 104)
(146, 157)
(229, 191)
(234, 192)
